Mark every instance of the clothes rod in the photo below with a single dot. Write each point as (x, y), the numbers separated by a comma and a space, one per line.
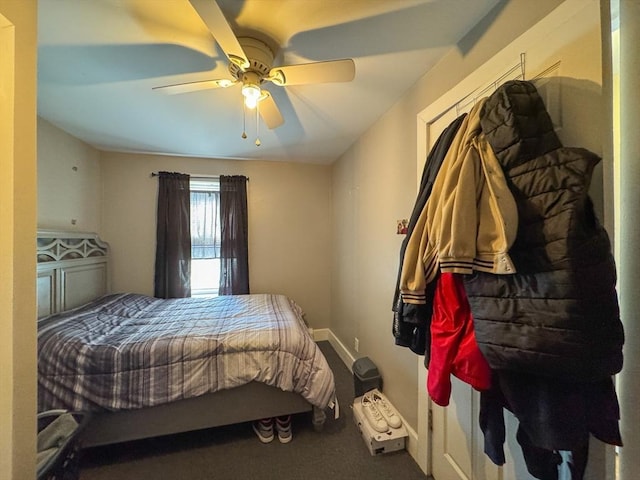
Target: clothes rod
(480, 92)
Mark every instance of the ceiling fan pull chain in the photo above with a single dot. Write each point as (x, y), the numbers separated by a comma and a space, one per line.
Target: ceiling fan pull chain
(244, 121)
(257, 126)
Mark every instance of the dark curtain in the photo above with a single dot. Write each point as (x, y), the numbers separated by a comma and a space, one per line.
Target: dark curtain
(234, 243)
(173, 237)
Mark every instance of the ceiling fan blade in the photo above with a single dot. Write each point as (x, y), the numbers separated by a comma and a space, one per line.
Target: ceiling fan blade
(217, 24)
(194, 86)
(269, 111)
(317, 72)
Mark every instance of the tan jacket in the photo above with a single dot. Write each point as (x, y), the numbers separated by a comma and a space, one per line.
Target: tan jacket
(470, 220)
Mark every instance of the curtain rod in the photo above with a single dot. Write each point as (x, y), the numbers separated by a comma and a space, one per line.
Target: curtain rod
(155, 174)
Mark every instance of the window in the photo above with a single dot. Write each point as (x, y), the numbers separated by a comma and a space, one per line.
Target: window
(205, 236)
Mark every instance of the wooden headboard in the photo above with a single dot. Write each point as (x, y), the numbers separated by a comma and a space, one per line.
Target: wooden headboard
(73, 269)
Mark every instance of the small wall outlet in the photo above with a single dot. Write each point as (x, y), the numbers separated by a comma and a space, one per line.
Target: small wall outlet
(356, 344)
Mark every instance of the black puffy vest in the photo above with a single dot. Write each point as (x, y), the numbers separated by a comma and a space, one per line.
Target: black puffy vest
(558, 316)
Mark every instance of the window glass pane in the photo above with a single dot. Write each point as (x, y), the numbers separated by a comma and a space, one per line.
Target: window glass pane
(205, 224)
(205, 276)
(205, 236)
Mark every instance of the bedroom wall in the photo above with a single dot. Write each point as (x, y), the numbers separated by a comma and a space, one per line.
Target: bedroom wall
(18, 58)
(374, 184)
(68, 181)
(289, 224)
(289, 213)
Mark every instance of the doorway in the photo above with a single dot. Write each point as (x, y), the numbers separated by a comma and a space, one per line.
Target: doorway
(563, 51)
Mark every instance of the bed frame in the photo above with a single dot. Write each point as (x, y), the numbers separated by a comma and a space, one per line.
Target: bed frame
(73, 269)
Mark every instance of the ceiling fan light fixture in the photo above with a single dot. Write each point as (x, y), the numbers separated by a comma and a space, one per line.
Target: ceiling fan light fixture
(251, 94)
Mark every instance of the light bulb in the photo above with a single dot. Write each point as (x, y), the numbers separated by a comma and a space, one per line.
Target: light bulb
(251, 95)
(250, 102)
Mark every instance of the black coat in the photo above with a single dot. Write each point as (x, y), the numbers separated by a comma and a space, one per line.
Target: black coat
(552, 331)
(411, 322)
(558, 315)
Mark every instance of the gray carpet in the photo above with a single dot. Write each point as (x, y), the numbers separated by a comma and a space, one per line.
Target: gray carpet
(233, 452)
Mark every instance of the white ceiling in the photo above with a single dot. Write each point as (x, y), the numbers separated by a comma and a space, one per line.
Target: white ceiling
(98, 61)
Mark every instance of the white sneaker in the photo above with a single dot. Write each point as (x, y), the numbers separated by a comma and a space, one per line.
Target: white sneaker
(373, 415)
(385, 408)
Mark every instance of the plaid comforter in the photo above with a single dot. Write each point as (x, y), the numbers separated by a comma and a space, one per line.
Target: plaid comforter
(128, 351)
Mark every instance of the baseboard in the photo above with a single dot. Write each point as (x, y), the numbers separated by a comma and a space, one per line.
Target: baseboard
(325, 334)
(342, 351)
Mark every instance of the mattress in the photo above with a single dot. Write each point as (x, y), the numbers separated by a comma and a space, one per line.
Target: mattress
(129, 351)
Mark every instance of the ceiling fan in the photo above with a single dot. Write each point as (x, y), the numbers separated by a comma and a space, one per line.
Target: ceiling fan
(251, 64)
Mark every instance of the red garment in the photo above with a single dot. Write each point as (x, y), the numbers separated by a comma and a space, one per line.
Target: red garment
(454, 350)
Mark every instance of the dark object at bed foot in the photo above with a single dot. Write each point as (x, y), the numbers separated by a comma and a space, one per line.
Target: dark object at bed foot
(59, 448)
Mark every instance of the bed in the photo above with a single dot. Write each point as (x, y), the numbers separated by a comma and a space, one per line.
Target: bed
(146, 367)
